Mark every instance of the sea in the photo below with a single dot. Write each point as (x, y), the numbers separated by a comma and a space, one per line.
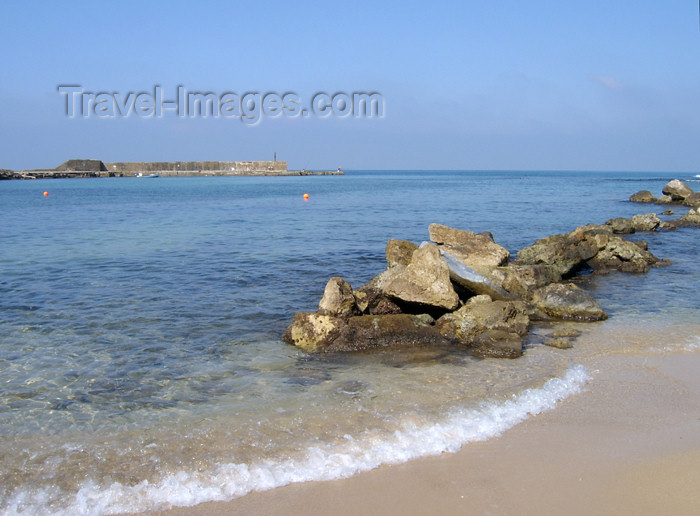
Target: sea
(141, 365)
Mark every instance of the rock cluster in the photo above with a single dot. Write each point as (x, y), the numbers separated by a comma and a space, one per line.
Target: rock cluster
(462, 289)
(675, 192)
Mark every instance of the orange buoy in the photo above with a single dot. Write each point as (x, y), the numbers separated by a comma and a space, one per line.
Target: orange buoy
(306, 197)
(46, 194)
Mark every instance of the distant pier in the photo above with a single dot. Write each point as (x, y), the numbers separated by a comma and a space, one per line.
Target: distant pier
(98, 168)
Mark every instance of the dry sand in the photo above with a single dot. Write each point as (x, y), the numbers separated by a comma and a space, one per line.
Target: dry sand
(629, 444)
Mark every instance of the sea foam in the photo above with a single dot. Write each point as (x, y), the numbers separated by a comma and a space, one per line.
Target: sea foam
(352, 455)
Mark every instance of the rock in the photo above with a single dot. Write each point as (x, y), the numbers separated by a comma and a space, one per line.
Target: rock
(338, 299)
(593, 246)
(558, 342)
(494, 329)
(480, 299)
(372, 301)
(472, 280)
(690, 219)
(622, 255)
(315, 333)
(664, 199)
(567, 301)
(692, 200)
(522, 280)
(621, 226)
(312, 332)
(667, 212)
(646, 222)
(478, 252)
(669, 226)
(424, 282)
(643, 196)
(399, 252)
(561, 254)
(566, 331)
(678, 190)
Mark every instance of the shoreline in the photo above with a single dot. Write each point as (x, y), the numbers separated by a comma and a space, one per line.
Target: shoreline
(628, 444)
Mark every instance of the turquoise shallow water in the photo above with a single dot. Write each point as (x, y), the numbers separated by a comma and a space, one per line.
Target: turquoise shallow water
(140, 360)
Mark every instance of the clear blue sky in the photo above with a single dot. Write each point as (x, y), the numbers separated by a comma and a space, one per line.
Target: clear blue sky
(508, 84)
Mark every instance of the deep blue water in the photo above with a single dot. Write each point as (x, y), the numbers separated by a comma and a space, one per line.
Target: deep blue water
(135, 309)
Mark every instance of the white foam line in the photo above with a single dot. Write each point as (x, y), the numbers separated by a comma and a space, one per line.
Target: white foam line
(689, 346)
(324, 462)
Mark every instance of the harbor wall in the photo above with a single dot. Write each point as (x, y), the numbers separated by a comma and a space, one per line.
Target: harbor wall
(97, 168)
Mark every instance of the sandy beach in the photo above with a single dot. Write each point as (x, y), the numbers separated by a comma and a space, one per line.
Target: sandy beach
(629, 444)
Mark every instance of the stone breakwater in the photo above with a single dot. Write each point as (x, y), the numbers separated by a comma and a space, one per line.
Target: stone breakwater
(97, 168)
(462, 290)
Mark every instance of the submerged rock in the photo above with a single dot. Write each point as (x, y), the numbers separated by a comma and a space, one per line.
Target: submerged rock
(567, 301)
(317, 333)
(558, 342)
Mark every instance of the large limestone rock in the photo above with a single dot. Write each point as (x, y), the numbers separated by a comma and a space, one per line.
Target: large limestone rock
(493, 329)
(373, 301)
(690, 219)
(567, 301)
(338, 299)
(621, 226)
(643, 196)
(312, 332)
(692, 200)
(561, 254)
(399, 252)
(315, 333)
(477, 251)
(646, 222)
(678, 190)
(425, 281)
(623, 255)
(523, 280)
(591, 245)
(472, 280)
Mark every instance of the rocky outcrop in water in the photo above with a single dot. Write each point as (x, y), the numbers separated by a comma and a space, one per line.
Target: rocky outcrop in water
(677, 189)
(674, 192)
(643, 196)
(462, 290)
(592, 246)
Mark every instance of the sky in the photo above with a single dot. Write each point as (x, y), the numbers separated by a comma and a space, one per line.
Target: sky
(464, 85)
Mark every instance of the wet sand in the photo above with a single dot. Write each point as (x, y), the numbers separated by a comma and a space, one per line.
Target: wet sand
(629, 444)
